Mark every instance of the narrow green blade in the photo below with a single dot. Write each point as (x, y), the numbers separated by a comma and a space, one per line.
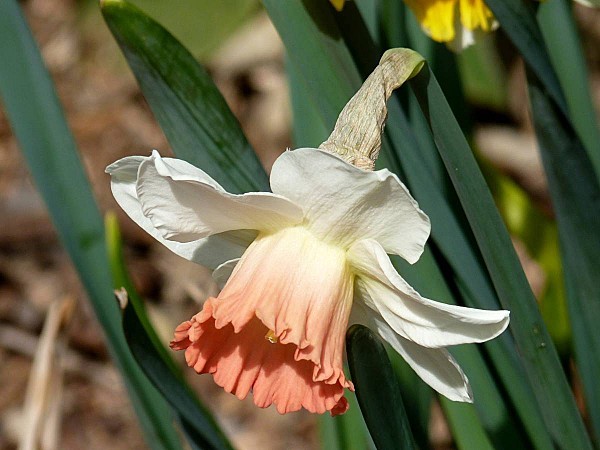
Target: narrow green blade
(195, 419)
(575, 196)
(468, 432)
(379, 394)
(188, 106)
(345, 432)
(517, 20)
(47, 144)
(540, 358)
(308, 128)
(491, 415)
(152, 356)
(315, 19)
(323, 60)
(417, 397)
(121, 279)
(567, 57)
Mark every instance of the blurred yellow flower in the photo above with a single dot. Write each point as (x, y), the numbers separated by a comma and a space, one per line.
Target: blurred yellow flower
(338, 4)
(455, 22)
(458, 23)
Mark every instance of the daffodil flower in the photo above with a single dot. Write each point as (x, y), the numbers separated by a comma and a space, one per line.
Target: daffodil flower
(316, 256)
(457, 23)
(299, 265)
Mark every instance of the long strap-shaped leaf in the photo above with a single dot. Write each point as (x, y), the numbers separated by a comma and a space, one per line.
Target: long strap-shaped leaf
(198, 424)
(491, 414)
(185, 101)
(47, 144)
(379, 394)
(347, 431)
(327, 51)
(541, 360)
(194, 418)
(572, 170)
(576, 199)
(321, 45)
(423, 169)
(567, 56)
(517, 19)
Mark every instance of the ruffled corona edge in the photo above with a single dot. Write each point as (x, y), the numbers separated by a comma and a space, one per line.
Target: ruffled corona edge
(246, 362)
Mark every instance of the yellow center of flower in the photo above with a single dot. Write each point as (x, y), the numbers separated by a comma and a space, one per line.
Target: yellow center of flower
(271, 337)
(438, 17)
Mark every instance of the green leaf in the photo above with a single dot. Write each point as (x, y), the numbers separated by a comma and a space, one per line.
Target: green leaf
(379, 394)
(49, 149)
(152, 356)
(575, 196)
(196, 421)
(466, 429)
(336, 70)
(326, 50)
(484, 74)
(491, 416)
(518, 21)
(185, 101)
(423, 169)
(121, 279)
(308, 127)
(347, 431)
(539, 233)
(567, 57)
(453, 244)
(539, 355)
(417, 397)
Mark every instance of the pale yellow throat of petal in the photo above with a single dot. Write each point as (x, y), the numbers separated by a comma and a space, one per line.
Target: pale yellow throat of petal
(356, 137)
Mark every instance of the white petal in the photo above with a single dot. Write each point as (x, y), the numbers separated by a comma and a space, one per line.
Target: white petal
(343, 204)
(209, 252)
(435, 366)
(423, 321)
(463, 37)
(589, 3)
(222, 273)
(185, 204)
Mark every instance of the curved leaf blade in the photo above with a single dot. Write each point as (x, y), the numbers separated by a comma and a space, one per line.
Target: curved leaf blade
(567, 57)
(329, 51)
(378, 392)
(518, 21)
(575, 193)
(38, 122)
(151, 355)
(185, 101)
(539, 355)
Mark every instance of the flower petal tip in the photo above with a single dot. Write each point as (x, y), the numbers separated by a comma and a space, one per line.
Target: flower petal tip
(340, 408)
(464, 397)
